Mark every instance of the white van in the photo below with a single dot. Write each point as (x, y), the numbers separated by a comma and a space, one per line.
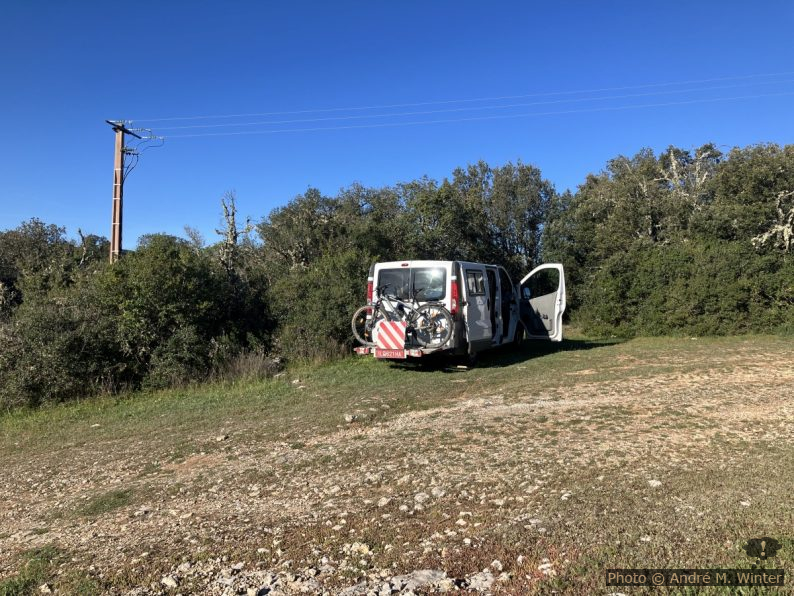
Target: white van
(487, 307)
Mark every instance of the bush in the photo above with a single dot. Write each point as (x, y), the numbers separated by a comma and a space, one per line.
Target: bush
(164, 315)
(314, 305)
(59, 349)
(179, 360)
(698, 288)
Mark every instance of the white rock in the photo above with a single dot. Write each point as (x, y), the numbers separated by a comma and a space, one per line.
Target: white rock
(445, 585)
(481, 581)
(418, 579)
(654, 483)
(383, 501)
(169, 581)
(358, 590)
(497, 564)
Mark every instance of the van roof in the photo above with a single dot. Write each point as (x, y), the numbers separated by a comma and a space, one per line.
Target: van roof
(423, 263)
(412, 263)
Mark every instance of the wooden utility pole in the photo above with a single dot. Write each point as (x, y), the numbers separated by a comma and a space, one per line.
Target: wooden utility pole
(118, 188)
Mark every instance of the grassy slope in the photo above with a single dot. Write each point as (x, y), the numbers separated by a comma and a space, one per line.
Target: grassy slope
(581, 424)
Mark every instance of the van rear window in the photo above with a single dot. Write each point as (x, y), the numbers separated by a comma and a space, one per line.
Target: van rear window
(397, 282)
(430, 283)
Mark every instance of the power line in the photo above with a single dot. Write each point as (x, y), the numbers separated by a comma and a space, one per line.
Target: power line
(450, 101)
(464, 109)
(476, 118)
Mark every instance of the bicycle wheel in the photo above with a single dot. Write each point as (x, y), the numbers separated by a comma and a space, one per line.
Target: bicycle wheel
(363, 325)
(433, 325)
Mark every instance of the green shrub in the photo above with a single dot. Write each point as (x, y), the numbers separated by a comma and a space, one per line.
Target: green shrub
(698, 288)
(178, 360)
(59, 349)
(315, 304)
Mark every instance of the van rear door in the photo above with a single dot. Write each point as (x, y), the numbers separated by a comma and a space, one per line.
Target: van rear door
(476, 307)
(543, 302)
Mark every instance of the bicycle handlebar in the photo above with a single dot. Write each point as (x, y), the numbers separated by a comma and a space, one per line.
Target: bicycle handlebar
(381, 292)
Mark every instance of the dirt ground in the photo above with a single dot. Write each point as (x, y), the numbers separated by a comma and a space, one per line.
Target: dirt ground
(650, 453)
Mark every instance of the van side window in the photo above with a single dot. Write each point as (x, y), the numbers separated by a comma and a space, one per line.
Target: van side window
(475, 283)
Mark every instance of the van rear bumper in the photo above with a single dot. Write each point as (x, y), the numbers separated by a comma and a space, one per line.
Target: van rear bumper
(409, 352)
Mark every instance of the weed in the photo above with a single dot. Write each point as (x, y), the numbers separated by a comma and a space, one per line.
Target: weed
(39, 566)
(106, 502)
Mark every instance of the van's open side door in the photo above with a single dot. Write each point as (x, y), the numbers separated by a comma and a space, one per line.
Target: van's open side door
(476, 306)
(542, 301)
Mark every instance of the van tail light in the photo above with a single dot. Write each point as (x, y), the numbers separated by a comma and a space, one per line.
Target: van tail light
(369, 291)
(455, 298)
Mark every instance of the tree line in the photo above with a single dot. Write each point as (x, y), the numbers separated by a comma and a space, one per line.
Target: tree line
(683, 242)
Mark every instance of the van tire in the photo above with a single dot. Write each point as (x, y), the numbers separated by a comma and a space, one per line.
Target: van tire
(467, 358)
(518, 339)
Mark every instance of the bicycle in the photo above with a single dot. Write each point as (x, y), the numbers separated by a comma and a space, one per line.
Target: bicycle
(430, 324)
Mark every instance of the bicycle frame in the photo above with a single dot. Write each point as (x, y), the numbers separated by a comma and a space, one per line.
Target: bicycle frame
(403, 310)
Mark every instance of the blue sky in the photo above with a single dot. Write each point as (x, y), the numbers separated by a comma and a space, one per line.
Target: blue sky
(67, 66)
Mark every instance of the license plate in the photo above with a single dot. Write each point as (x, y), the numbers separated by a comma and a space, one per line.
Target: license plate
(381, 353)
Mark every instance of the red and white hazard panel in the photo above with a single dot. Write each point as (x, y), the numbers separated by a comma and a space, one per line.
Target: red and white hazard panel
(391, 335)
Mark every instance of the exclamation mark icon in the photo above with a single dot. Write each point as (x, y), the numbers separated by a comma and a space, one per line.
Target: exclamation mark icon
(763, 549)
